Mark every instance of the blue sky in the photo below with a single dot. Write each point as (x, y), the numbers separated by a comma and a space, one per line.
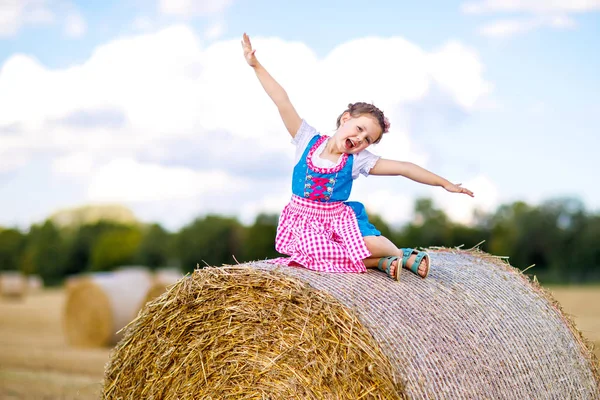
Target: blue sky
(149, 103)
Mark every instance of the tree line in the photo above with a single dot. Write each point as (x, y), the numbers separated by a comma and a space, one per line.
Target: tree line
(559, 237)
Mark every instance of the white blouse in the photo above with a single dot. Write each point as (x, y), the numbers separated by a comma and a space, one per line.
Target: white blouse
(362, 164)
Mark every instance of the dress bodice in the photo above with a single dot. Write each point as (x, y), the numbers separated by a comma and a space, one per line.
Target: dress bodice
(322, 184)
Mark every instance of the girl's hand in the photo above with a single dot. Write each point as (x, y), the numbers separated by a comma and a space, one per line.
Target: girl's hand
(457, 188)
(248, 52)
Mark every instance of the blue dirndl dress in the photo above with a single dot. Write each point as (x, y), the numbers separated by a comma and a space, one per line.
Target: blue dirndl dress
(319, 229)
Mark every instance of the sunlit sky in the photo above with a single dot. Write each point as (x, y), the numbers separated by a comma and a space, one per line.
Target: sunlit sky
(150, 104)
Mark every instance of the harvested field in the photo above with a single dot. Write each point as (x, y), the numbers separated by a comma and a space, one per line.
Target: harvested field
(582, 303)
(35, 360)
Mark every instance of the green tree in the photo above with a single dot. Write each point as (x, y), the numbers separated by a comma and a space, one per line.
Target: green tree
(259, 238)
(381, 225)
(45, 253)
(81, 243)
(467, 236)
(431, 227)
(155, 247)
(116, 247)
(507, 230)
(213, 240)
(11, 249)
(583, 264)
(577, 257)
(547, 235)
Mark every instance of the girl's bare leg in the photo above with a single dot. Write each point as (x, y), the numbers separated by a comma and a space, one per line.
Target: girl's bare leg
(380, 246)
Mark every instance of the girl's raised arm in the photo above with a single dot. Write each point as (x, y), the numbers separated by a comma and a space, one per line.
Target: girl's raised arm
(288, 113)
(417, 174)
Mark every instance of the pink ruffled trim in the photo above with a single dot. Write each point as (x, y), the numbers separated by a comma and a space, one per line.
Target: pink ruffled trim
(320, 170)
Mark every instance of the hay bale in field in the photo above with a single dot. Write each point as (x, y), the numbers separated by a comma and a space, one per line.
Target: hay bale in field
(242, 332)
(163, 279)
(71, 281)
(99, 305)
(35, 283)
(475, 328)
(13, 284)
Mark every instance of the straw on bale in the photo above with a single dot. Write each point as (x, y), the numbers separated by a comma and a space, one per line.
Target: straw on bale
(244, 333)
(162, 279)
(99, 305)
(13, 284)
(476, 328)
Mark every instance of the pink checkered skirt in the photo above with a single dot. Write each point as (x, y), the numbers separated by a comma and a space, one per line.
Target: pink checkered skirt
(320, 236)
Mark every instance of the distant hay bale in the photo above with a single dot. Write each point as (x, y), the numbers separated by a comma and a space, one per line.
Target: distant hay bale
(476, 328)
(13, 284)
(133, 269)
(34, 283)
(163, 279)
(71, 281)
(99, 305)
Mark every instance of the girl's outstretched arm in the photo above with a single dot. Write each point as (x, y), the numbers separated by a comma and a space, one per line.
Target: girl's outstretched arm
(288, 113)
(416, 173)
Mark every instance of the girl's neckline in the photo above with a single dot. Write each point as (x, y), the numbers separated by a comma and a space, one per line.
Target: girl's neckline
(323, 147)
(337, 168)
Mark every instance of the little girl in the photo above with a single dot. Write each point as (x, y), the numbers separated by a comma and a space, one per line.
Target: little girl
(319, 229)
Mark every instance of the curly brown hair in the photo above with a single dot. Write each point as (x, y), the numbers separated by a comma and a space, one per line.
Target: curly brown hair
(361, 108)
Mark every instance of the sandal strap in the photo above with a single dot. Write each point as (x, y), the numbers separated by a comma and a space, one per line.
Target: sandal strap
(415, 266)
(386, 268)
(406, 254)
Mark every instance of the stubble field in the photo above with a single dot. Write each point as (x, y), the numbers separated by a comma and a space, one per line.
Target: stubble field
(36, 362)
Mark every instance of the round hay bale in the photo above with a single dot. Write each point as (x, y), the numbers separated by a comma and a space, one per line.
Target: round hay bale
(246, 333)
(13, 284)
(475, 328)
(136, 270)
(99, 305)
(163, 279)
(168, 275)
(71, 281)
(35, 283)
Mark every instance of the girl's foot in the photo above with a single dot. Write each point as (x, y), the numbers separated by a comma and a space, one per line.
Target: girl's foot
(421, 271)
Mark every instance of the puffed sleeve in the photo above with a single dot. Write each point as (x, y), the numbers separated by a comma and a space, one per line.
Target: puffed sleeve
(363, 162)
(302, 138)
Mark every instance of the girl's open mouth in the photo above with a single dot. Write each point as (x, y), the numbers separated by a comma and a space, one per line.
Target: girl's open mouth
(349, 144)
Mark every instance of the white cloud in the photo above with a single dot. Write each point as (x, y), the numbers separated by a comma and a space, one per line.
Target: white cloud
(126, 180)
(109, 117)
(538, 14)
(544, 7)
(75, 165)
(12, 161)
(460, 208)
(215, 30)
(455, 65)
(16, 13)
(75, 25)
(193, 7)
(511, 27)
(391, 205)
(272, 203)
(37, 13)
(142, 23)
